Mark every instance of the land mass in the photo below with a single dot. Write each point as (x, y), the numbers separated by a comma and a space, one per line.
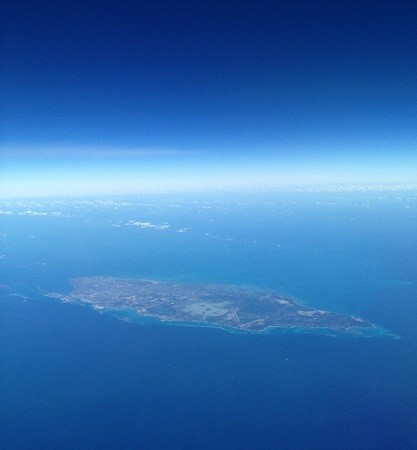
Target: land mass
(231, 307)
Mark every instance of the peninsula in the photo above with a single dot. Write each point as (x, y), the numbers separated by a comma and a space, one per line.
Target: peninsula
(224, 306)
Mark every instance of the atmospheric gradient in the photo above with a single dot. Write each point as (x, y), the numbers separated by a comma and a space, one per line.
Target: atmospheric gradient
(104, 98)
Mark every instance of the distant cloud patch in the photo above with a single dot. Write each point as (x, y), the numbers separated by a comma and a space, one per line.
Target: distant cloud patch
(139, 224)
(56, 152)
(32, 213)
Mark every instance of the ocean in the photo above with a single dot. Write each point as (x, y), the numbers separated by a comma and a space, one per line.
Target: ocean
(73, 378)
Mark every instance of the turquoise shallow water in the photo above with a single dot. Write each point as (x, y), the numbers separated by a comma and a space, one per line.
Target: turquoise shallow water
(134, 317)
(71, 377)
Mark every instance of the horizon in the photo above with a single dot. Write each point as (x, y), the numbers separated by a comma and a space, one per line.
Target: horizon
(103, 171)
(103, 97)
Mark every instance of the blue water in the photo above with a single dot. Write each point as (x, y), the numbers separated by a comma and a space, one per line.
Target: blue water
(73, 378)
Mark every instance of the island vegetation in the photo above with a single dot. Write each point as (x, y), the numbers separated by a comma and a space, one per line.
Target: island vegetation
(225, 306)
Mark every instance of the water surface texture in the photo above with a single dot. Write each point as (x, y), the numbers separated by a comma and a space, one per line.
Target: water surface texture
(73, 378)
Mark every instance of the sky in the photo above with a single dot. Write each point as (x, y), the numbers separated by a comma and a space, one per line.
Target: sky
(145, 95)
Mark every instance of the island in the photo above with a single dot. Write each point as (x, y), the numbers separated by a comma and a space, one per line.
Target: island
(229, 307)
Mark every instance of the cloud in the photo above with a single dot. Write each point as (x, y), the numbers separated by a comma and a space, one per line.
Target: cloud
(32, 213)
(89, 152)
(139, 224)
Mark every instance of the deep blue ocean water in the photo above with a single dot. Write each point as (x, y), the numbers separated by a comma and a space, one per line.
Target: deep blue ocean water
(73, 378)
